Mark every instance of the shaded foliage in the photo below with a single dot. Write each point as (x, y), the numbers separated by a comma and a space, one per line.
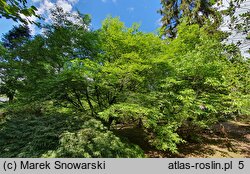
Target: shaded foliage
(26, 135)
(194, 11)
(10, 65)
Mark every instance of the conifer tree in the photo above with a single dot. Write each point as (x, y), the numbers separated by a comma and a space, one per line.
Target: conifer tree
(195, 12)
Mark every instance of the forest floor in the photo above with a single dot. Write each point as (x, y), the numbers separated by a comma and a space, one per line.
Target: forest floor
(211, 144)
(215, 145)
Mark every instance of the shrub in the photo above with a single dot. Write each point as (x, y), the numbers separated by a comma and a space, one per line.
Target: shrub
(94, 140)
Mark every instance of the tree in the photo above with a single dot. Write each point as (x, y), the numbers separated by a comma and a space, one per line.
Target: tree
(118, 76)
(15, 37)
(164, 89)
(51, 65)
(194, 12)
(14, 9)
(11, 73)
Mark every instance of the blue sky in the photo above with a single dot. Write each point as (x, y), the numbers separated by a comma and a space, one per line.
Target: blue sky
(129, 11)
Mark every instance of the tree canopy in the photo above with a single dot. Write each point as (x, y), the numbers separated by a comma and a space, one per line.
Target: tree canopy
(80, 88)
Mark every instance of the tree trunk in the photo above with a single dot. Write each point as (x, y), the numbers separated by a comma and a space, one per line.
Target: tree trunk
(11, 98)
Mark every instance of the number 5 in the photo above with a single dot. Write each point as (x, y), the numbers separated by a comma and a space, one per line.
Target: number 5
(241, 165)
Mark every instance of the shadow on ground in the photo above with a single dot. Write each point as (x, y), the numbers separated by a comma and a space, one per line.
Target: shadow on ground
(216, 145)
(212, 144)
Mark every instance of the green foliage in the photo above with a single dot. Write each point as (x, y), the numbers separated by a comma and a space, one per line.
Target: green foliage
(202, 81)
(24, 135)
(10, 61)
(195, 12)
(34, 108)
(123, 77)
(93, 140)
(13, 9)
